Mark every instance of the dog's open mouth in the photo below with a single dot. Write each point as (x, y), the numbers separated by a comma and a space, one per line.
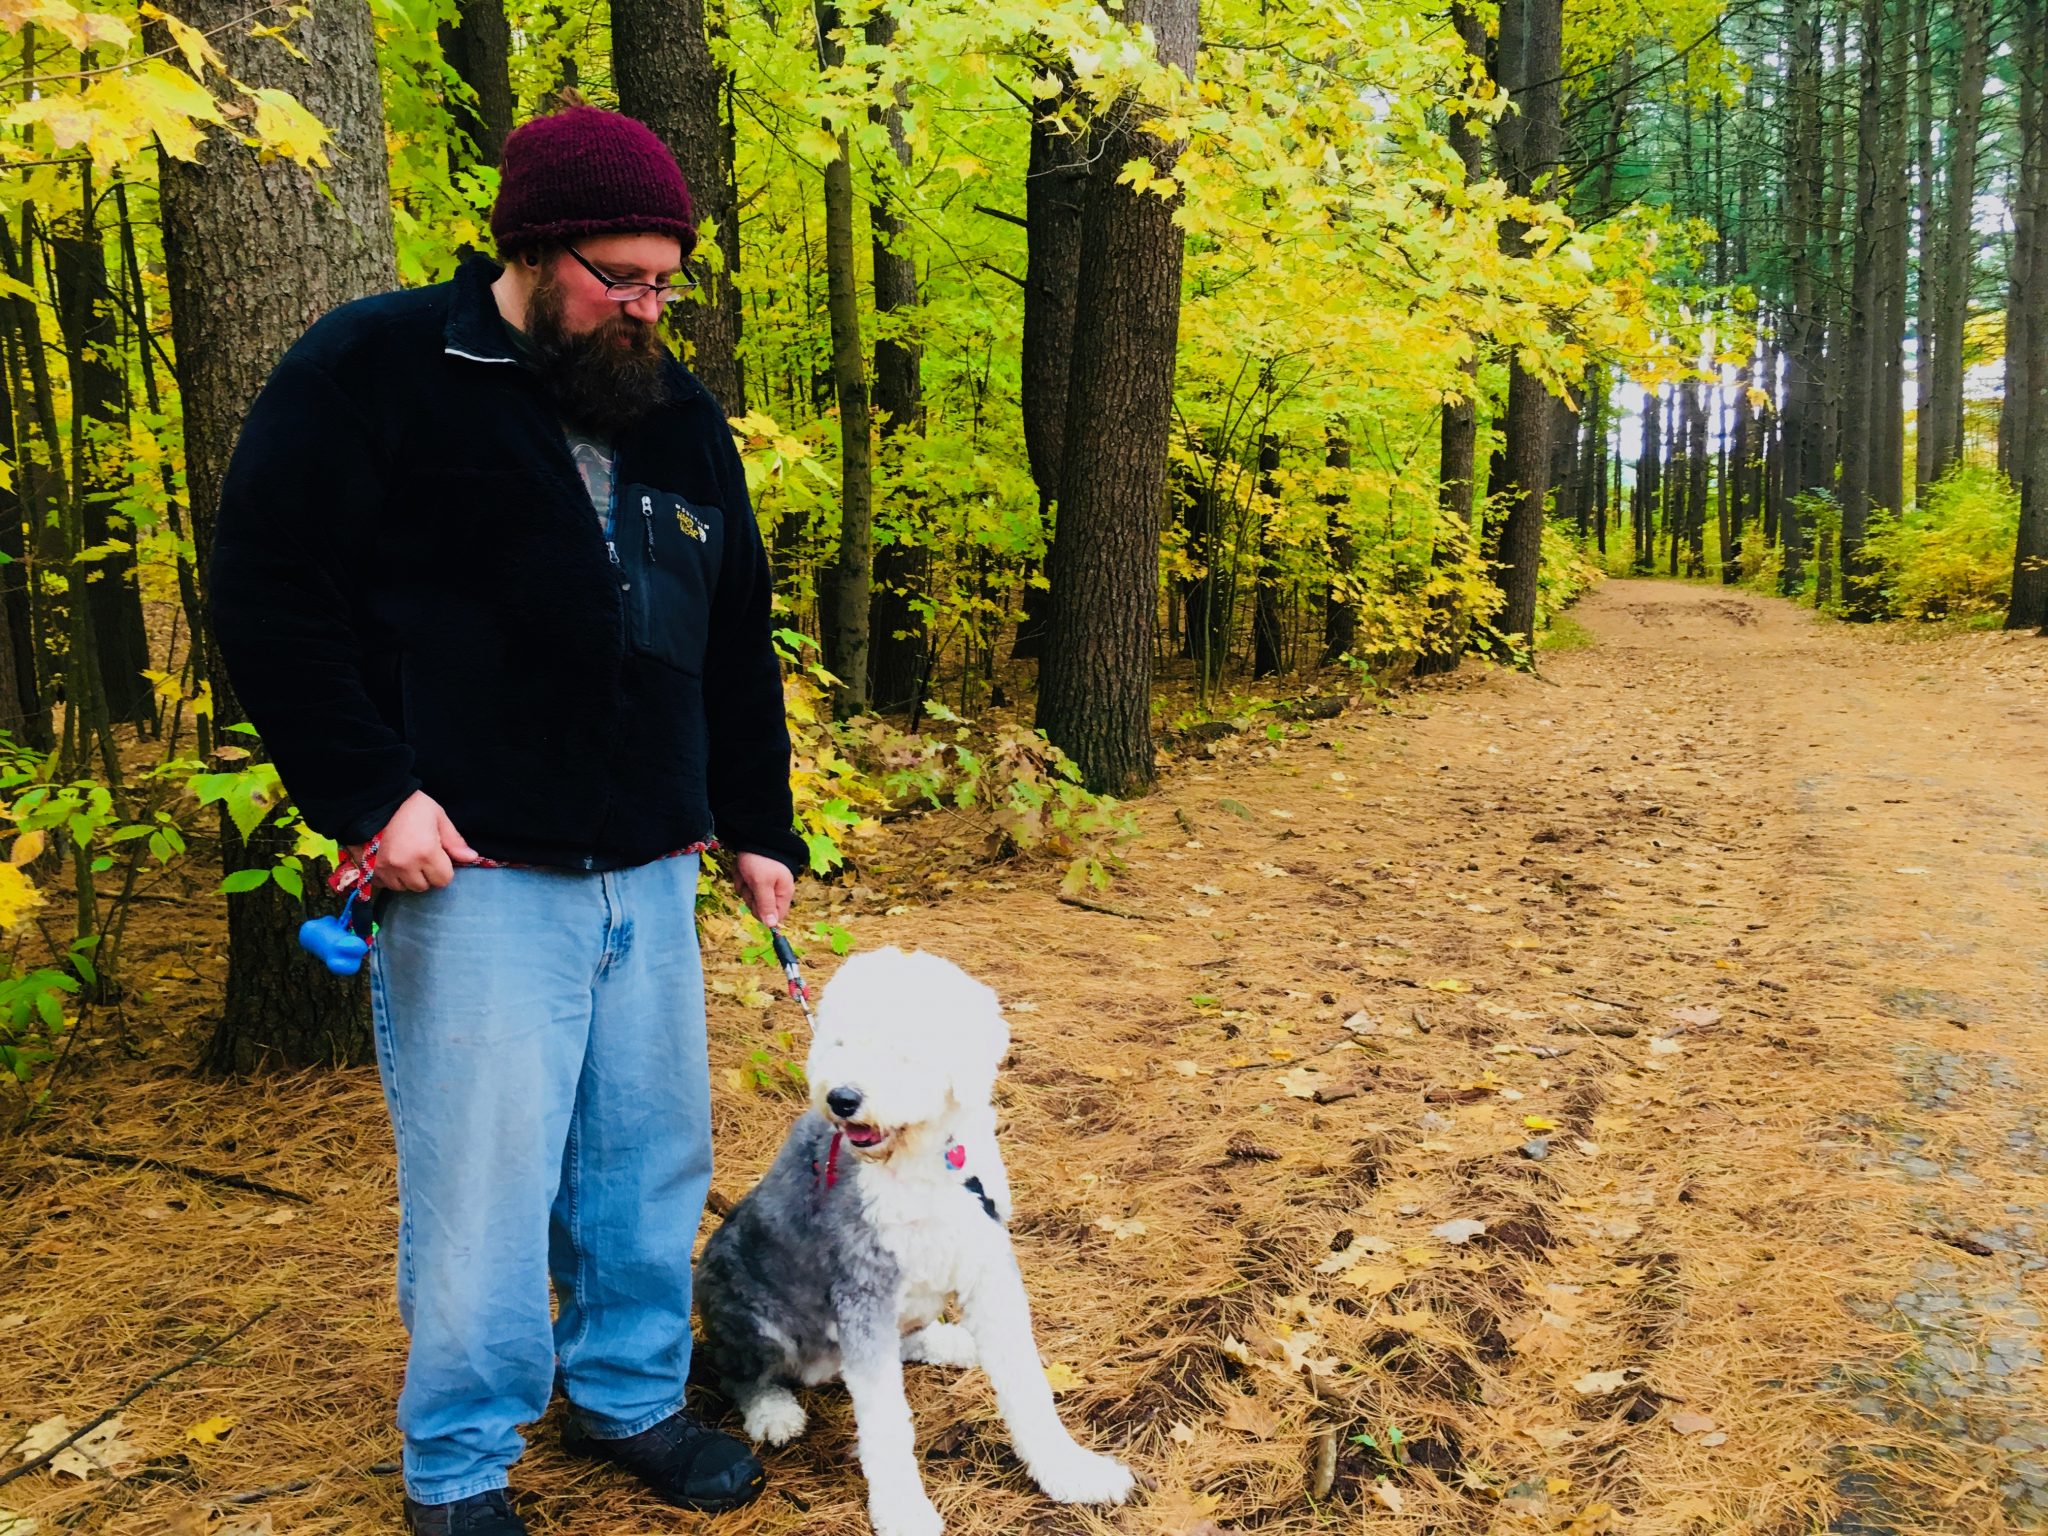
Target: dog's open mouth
(866, 1137)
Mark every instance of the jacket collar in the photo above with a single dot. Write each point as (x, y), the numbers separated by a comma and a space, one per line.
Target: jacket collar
(475, 330)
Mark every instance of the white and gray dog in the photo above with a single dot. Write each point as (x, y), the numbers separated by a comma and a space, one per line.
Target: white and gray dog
(887, 1202)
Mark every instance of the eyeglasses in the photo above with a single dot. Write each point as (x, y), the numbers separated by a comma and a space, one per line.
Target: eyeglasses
(620, 291)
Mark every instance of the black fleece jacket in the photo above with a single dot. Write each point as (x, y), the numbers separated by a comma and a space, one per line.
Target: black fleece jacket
(411, 592)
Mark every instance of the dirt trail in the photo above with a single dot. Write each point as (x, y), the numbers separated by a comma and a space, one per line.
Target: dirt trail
(1706, 970)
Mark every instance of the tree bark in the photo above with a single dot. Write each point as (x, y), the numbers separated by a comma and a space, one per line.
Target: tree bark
(113, 600)
(666, 76)
(2026, 280)
(847, 585)
(897, 641)
(1340, 618)
(1444, 626)
(2029, 446)
(256, 250)
(1095, 683)
(1268, 656)
(1862, 452)
(1800, 467)
(1055, 190)
(478, 47)
(1957, 261)
(1527, 140)
(1927, 318)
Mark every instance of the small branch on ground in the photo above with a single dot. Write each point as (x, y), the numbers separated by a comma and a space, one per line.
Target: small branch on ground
(204, 1175)
(36, 1463)
(1086, 905)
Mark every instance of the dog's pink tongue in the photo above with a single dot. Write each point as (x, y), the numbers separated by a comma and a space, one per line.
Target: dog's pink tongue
(863, 1135)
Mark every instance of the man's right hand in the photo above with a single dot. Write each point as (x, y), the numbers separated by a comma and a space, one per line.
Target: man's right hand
(419, 847)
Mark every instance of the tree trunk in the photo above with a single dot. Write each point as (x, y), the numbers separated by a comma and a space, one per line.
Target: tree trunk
(113, 600)
(1957, 261)
(1205, 610)
(2027, 281)
(1862, 451)
(478, 47)
(22, 714)
(668, 79)
(1800, 467)
(1340, 618)
(847, 585)
(1095, 683)
(1528, 141)
(897, 641)
(1927, 315)
(255, 250)
(1444, 626)
(2029, 318)
(1055, 189)
(1267, 654)
(1646, 482)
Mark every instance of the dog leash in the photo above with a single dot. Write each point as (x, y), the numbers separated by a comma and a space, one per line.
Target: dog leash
(798, 992)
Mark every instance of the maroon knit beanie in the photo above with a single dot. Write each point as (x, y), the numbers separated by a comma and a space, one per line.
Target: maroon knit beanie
(586, 171)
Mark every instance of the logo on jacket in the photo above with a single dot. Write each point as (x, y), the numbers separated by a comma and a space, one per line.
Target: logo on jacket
(689, 522)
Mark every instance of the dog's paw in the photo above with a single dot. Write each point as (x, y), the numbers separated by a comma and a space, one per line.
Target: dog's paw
(941, 1344)
(1076, 1476)
(905, 1512)
(774, 1418)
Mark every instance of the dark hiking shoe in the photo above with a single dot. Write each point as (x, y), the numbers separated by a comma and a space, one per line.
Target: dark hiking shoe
(686, 1463)
(481, 1514)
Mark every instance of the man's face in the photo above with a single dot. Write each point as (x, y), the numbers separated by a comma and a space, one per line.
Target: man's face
(603, 361)
(625, 258)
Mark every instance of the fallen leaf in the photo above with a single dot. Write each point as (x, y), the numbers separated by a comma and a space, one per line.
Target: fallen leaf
(43, 1437)
(244, 1525)
(1448, 984)
(1301, 1083)
(1910, 869)
(1348, 1255)
(1662, 1047)
(1237, 1349)
(279, 1218)
(1463, 1230)
(1718, 1437)
(1295, 1347)
(1129, 1226)
(1249, 1416)
(1686, 1422)
(12, 1321)
(12, 1524)
(1389, 1496)
(212, 1431)
(1375, 1279)
(1188, 1068)
(1539, 1123)
(1062, 1377)
(1550, 1436)
(1599, 1383)
(1181, 1434)
(1698, 1016)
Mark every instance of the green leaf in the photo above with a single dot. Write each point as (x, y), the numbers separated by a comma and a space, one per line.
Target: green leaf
(244, 880)
(290, 881)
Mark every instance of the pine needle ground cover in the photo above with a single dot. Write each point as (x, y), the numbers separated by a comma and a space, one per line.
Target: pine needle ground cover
(1606, 1101)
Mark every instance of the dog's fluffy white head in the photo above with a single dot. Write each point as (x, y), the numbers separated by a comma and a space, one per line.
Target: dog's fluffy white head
(904, 1041)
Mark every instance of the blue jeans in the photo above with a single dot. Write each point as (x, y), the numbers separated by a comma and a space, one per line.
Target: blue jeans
(541, 1040)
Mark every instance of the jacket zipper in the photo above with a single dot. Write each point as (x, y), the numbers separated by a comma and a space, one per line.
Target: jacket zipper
(647, 516)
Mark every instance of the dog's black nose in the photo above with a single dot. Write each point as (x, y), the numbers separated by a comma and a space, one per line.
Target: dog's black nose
(843, 1102)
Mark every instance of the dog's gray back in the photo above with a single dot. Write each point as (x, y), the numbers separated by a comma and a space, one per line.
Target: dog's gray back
(794, 1264)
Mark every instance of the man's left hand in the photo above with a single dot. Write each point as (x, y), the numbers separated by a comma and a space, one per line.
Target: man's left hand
(766, 886)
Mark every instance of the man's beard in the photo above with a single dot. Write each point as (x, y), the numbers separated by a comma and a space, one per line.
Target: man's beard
(599, 382)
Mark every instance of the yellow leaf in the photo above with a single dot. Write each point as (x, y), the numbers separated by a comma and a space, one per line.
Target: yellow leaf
(285, 127)
(18, 897)
(191, 41)
(1449, 984)
(211, 1431)
(1539, 1122)
(1062, 1377)
(27, 848)
(735, 1079)
(1249, 1416)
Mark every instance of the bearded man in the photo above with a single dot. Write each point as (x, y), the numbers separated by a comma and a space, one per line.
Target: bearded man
(487, 581)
